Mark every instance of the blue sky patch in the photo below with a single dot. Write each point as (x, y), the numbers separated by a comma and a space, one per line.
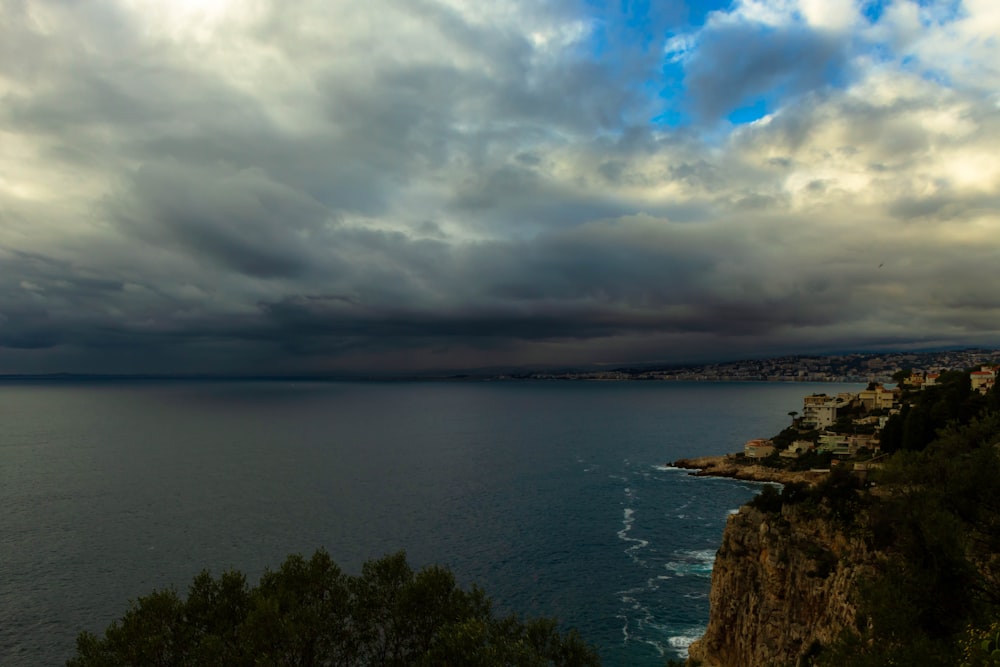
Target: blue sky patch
(748, 113)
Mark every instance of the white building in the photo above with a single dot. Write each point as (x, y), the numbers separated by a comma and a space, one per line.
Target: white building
(819, 410)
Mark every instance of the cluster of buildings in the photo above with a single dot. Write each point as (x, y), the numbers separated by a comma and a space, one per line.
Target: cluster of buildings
(982, 380)
(867, 410)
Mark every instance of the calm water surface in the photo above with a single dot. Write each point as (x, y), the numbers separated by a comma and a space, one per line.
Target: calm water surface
(553, 496)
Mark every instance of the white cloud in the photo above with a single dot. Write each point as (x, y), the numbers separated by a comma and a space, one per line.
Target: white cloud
(772, 13)
(678, 47)
(836, 15)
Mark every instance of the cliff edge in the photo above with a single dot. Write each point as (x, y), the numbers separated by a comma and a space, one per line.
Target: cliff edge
(782, 582)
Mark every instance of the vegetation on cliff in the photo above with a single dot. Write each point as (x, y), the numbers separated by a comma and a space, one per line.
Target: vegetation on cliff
(931, 522)
(308, 612)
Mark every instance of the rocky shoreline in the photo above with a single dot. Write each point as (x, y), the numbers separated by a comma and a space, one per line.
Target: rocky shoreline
(731, 467)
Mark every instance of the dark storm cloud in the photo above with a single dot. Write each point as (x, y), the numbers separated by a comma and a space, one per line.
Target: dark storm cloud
(568, 286)
(26, 326)
(607, 279)
(614, 280)
(47, 302)
(325, 316)
(237, 218)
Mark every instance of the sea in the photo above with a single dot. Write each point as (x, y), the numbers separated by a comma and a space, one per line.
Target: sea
(555, 497)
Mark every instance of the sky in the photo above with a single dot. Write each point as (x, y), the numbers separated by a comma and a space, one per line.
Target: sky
(265, 187)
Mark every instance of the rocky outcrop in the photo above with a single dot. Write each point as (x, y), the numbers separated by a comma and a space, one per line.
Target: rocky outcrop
(732, 467)
(782, 581)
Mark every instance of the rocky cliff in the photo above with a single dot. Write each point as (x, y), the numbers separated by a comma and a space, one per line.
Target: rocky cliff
(782, 581)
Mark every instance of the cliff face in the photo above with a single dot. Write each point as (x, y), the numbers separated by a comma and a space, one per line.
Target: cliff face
(781, 582)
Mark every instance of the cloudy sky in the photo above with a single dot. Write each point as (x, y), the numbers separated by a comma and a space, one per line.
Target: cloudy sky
(284, 187)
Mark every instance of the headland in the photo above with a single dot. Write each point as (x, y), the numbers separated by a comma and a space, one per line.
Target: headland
(732, 467)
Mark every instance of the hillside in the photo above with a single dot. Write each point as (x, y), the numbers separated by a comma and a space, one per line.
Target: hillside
(901, 569)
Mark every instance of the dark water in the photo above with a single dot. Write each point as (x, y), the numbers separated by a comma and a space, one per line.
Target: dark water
(552, 496)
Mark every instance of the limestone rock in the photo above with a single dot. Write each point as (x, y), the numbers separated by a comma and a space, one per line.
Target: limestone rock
(780, 583)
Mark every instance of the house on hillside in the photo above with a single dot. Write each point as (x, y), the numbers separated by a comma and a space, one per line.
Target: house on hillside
(861, 441)
(797, 449)
(819, 410)
(983, 379)
(758, 448)
(835, 443)
(877, 397)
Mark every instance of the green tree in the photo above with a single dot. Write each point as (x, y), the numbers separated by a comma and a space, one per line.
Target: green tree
(152, 632)
(308, 613)
(891, 437)
(301, 614)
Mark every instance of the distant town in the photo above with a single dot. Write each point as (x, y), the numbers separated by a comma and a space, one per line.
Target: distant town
(859, 367)
(856, 429)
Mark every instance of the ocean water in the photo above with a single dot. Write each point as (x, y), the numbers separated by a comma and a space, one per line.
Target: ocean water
(555, 497)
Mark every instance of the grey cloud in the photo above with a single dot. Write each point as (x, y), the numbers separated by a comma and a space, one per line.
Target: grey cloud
(586, 284)
(612, 170)
(575, 92)
(946, 205)
(699, 174)
(27, 326)
(606, 262)
(755, 201)
(611, 281)
(238, 218)
(911, 208)
(520, 198)
(735, 64)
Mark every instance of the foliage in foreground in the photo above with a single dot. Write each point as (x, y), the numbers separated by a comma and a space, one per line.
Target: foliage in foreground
(309, 613)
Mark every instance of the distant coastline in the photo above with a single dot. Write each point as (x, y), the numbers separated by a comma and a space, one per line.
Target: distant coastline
(842, 368)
